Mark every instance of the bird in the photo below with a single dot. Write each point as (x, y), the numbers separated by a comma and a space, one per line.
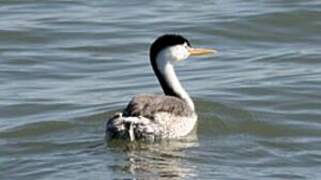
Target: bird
(156, 117)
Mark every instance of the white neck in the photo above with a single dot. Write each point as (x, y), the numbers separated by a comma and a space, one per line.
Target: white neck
(166, 68)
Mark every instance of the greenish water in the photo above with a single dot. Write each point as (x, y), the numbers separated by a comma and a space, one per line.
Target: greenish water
(66, 66)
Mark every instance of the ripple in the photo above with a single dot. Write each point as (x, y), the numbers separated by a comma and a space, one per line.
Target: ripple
(67, 66)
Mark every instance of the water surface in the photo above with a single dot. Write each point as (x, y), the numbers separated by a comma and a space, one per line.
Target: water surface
(66, 66)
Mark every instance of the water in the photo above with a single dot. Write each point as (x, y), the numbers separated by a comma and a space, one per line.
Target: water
(66, 66)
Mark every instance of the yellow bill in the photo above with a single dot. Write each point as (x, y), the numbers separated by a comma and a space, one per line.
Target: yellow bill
(201, 51)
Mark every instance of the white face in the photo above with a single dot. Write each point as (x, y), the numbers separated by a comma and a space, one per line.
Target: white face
(176, 53)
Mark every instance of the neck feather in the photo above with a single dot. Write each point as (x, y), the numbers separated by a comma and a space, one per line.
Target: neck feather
(165, 72)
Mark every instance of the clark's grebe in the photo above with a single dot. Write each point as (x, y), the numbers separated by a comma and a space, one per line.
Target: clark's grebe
(162, 116)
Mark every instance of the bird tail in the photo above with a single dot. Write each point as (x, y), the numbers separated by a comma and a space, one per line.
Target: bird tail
(121, 127)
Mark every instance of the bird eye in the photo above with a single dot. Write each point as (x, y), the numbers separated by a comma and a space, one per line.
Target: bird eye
(185, 45)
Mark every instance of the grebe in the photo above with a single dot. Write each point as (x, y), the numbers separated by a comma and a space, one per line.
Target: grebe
(152, 117)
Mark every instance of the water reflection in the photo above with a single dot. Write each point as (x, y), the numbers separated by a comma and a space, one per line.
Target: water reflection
(163, 159)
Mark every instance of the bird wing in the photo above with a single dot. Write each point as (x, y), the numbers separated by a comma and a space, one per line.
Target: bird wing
(148, 106)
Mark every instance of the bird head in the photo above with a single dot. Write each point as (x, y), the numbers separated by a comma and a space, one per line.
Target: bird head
(175, 48)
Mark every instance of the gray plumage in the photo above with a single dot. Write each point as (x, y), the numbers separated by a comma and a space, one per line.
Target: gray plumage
(151, 118)
(148, 105)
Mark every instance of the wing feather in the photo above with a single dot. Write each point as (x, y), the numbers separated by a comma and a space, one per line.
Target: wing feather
(148, 105)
